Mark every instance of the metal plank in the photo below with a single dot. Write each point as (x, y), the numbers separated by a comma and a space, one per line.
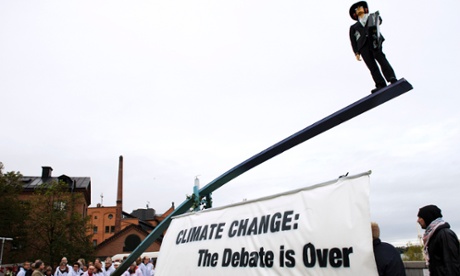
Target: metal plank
(345, 114)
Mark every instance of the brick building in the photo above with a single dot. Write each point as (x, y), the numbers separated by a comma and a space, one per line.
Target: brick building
(115, 231)
(76, 186)
(81, 185)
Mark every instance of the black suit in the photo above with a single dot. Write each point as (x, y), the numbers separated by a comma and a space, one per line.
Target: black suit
(362, 43)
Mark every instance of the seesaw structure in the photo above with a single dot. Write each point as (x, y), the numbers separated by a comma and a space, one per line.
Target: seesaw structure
(204, 194)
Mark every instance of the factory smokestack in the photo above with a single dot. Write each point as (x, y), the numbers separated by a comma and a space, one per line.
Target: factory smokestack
(119, 207)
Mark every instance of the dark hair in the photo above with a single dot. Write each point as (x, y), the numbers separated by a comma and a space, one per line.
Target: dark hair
(38, 264)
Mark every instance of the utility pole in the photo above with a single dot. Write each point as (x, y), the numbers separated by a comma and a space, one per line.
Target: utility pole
(3, 244)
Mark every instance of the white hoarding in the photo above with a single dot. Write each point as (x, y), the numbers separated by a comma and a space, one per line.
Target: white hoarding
(319, 230)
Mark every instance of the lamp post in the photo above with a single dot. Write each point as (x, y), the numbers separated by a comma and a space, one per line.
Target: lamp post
(3, 244)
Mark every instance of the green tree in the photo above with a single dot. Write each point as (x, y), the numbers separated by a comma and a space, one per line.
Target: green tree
(413, 252)
(13, 212)
(56, 227)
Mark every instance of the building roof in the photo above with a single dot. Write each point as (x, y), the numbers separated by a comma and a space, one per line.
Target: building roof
(144, 224)
(81, 184)
(137, 228)
(33, 182)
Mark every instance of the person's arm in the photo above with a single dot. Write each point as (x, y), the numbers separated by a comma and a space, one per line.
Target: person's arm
(354, 36)
(450, 251)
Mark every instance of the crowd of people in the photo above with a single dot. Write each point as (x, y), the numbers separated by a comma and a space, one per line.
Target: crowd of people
(142, 267)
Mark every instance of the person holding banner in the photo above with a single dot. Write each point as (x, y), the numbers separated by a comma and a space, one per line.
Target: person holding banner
(366, 41)
(387, 258)
(441, 245)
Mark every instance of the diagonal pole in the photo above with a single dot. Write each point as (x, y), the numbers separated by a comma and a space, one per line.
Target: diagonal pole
(333, 120)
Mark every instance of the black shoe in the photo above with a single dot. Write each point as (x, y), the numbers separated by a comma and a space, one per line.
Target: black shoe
(376, 89)
(393, 80)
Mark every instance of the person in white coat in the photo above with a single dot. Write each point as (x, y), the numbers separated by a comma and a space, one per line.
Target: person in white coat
(98, 268)
(64, 259)
(109, 268)
(23, 269)
(146, 267)
(63, 270)
(90, 271)
(133, 270)
(76, 271)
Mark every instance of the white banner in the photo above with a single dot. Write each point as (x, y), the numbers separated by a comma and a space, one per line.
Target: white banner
(319, 230)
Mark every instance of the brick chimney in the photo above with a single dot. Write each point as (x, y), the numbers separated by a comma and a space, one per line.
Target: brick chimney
(46, 172)
(119, 207)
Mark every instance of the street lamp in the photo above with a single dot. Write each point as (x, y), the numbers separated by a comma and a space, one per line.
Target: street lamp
(3, 244)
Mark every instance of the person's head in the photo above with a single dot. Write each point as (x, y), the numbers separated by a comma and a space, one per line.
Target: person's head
(63, 265)
(91, 269)
(84, 268)
(357, 10)
(26, 265)
(116, 264)
(375, 230)
(39, 265)
(427, 215)
(76, 266)
(49, 270)
(132, 268)
(145, 260)
(138, 261)
(97, 261)
(64, 260)
(81, 261)
(108, 262)
(97, 265)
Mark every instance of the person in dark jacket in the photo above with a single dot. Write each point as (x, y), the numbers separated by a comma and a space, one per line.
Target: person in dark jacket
(441, 245)
(366, 41)
(387, 257)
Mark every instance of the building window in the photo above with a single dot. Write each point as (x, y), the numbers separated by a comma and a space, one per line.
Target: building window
(59, 205)
(107, 229)
(94, 243)
(110, 216)
(95, 229)
(131, 242)
(112, 229)
(95, 217)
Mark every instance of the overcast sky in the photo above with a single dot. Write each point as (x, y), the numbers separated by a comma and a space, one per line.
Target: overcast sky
(183, 88)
